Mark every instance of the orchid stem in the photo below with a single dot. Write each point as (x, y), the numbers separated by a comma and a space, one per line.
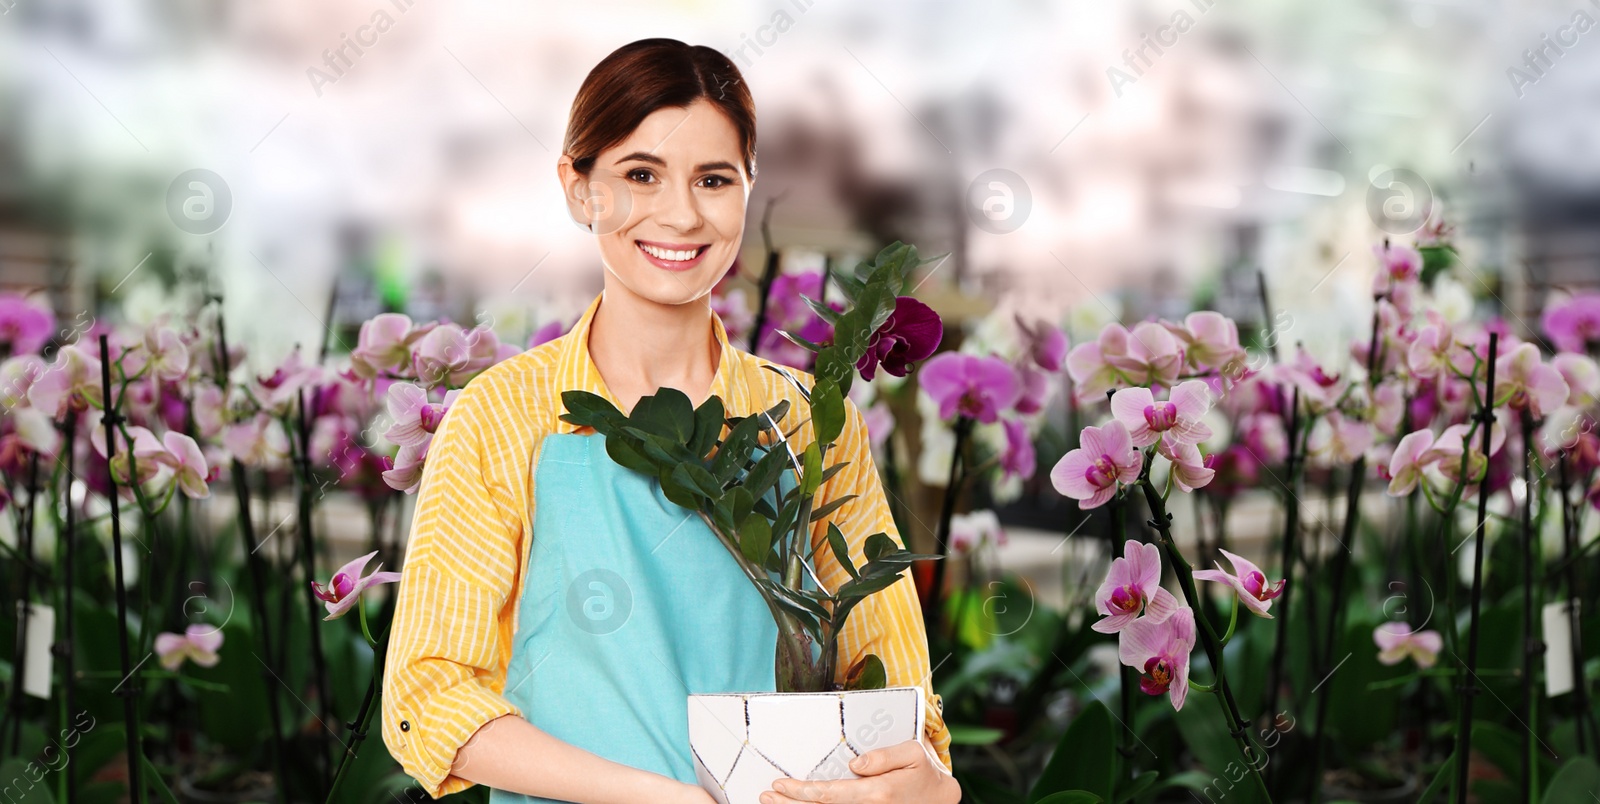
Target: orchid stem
(1237, 727)
(1233, 621)
(1468, 686)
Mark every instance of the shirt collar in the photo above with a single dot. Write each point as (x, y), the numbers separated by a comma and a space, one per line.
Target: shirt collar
(577, 371)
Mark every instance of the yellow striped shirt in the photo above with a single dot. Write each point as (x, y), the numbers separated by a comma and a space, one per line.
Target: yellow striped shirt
(467, 553)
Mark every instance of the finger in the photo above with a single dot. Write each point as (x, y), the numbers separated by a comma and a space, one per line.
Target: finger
(834, 792)
(770, 797)
(882, 760)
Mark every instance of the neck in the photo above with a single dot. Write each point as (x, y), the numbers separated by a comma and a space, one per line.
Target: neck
(639, 346)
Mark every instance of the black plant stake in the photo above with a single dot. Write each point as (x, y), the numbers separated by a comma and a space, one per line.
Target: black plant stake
(1532, 644)
(26, 606)
(1469, 686)
(1569, 540)
(1291, 532)
(314, 607)
(64, 650)
(1129, 678)
(769, 274)
(947, 510)
(258, 581)
(129, 687)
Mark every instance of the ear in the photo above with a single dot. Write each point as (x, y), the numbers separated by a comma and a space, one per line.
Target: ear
(575, 189)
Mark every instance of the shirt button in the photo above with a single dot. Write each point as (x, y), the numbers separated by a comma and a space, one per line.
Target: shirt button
(405, 725)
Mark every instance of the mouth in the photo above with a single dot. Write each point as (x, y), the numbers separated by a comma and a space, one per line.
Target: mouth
(672, 256)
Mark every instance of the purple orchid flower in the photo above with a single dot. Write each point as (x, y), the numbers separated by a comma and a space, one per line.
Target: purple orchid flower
(347, 586)
(910, 334)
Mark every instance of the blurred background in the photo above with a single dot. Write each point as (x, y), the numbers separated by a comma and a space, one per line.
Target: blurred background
(1079, 162)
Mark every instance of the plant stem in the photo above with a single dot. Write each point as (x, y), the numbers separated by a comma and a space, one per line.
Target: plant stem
(768, 275)
(258, 588)
(1129, 679)
(1569, 538)
(1291, 530)
(1469, 687)
(364, 715)
(1341, 563)
(128, 688)
(952, 490)
(26, 604)
(1162, 522)
(1532, 644)
(314, 608)
(69, 682)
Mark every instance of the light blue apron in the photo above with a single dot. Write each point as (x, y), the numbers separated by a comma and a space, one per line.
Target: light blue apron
(630, 604)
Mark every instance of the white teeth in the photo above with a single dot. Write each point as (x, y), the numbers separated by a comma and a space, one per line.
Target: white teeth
(667, 254)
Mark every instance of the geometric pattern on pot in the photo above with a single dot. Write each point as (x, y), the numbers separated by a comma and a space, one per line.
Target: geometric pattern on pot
(741, 742)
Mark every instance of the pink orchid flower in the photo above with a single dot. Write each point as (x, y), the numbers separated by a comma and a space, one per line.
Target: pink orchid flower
(1337, 439)
(1409, 459)
(1159, 650)
(1265, 437)
(1153, 356)
(188, 462)
(1582, 376)
(1429, 354)
(24, 326)
(976, 387)
(257, 442)
(1132, 588)
(880, 422)
(1090, 474)
(17, 374)
(1574, 325)
(406, 473)
(1388, 406)
(1448, 447)
(169, 355)
(1400, 263)
(70, 382)
(1210, 339)
(1089, 364)
(1018, 459)
(910, 334)
(415, 418)
(1189, 468)
(1522, 380)
(347, 586)
(279, 391)
(1397, 642)
(1248, 582)
(198, 643)
(1035, 389)
(208, 411)
(970, 532)
(384, 344)
(1045, 344)
(551, 330)
(1178, 418)
(1319, 390)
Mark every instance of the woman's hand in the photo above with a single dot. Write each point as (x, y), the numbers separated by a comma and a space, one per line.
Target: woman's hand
(898, 773)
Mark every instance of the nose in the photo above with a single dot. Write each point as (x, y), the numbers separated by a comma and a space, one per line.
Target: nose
(679, 210)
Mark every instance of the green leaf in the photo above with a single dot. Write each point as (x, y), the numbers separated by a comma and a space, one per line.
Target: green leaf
(1071, 797)
(822, 310)
(154, 775)
(19, 784)
(1084, 760)
(827, 410)
(877, 545)
(867, 673)
(626, 452)
(1578, 777)
(707, 426)
(667, 413)
(1127, 791)
(800, 342)
(811, 477)
(740, 503)
(589, 410)
(849, 286)
(963, 734)
(863, 586)
(841, 550)
(766, 472)
(831, 506)
(1441, 782)
(755, 537)
(696, 480)
(736, 450)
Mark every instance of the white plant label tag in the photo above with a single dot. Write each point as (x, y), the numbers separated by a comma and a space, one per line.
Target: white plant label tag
(36, 655)
(1558, 647)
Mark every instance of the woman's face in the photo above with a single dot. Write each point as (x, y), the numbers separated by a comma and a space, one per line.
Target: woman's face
(667, 203)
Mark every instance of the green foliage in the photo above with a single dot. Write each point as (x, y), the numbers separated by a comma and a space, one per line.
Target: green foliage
(1084, 762)
(1580, 776)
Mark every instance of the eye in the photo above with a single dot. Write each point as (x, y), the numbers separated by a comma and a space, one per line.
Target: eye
(641, 175)
(716, 181)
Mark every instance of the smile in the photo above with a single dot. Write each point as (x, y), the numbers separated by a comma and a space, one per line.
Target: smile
(673, 256)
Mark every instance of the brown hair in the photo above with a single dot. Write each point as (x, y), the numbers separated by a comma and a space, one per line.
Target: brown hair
(641, 77)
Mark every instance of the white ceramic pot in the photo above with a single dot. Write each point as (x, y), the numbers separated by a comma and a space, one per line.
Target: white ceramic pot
(744, 741)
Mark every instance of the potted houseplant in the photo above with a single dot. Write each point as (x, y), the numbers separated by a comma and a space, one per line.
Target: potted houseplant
(755, 486)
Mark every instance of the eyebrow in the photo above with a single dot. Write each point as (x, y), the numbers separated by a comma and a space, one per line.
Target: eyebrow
(643, 156)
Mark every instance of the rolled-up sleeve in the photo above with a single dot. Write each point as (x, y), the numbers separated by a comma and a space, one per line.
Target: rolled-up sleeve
(445, 667)
(889, 622)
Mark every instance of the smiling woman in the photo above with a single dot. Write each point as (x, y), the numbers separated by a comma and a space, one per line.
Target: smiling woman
(556, 610)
